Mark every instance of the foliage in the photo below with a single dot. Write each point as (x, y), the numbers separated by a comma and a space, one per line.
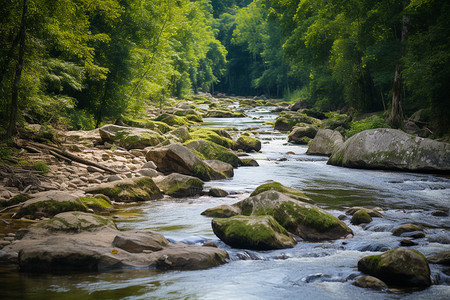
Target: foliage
(41, 167)
(371, 122)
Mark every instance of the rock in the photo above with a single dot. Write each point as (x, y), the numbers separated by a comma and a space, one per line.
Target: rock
(360, 217)
(216, 192)
(221, 167)
(179, 185)
(325, 142)
(173, 120)
(140, 241)
(48, 204)
(209, 244)
(92, 169)
(113, 178)
(370, 282)
(8, 257)
(276, 186)
(298, 105)
(222, 211)
(374, 213)
(149, 165)
(248, 144)
(148, 172)
(407, 243)
(177, 158)
(302, 134)
(392, 149)
(399, 267)
(179, 135)
(212, 151)
(300, 218)
(249, 162)
(128, 190)
(405, 228)
(97, 204)
(215, 135)
(413, 234)
(130, 137)
(256, 232)
(442, 258)
(224, 114)
(287, 120)
(439, 213)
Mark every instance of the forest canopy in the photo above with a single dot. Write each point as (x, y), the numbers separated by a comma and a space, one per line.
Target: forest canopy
(79, 63)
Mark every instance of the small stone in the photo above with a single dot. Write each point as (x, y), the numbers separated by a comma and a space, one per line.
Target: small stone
(95, 181)
(9, 238)
(361, 217)
(414, 234)
(439, 213)
(342, 217)
(11, 234)
(407, 243)
(149, 165)
(129, 175)
(209, 244)
(92, 169)
(442, 258)
(136, 161)
(405, 228)
(137, 152)
(370, 282)
(113, 178)
(148, 172)
(216, 192)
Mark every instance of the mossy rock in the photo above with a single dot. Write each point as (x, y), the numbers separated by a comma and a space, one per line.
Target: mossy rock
(248, 144)
(224, 114)
(302, 134)
(173, 120)
(157, 126)
(398, 267)
(97, 204)
(406, 228)
(208, 134)
(361, 217)
(50, 203)
(300, 218)
(288, 120)
(276, 186)
(222, 211)
(129, 137)
(15, 200)
(75, 222)
(256, 232)
(179, 185)
(249, 162)
(194, 118)
(212, 151)
(180, 135)
(129, 190)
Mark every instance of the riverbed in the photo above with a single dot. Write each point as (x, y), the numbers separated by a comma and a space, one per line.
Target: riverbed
(323, 270)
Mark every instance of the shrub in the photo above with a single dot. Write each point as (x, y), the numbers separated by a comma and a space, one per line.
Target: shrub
(42, 167)
(371, 122)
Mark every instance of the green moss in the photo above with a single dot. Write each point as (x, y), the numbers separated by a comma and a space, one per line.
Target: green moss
(371, 122)
(50, 208)
(194, 118)
(173, 120)
(276, 186)
(179, 188)
(96, 204)
(211, 151)
(19, 199)
(41, 167)
(202, 171)
(248, 144)
(212, 136)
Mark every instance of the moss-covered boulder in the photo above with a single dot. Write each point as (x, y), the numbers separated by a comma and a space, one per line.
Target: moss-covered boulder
(370, 282)
(179, 185)
(373, 212)
(224, 114)
(50, 203)
(276, 186)
(325, 142)
(399, 267)
(385, 148)
(130, 137)
(214, 136)
(222, 211)
(255, 232)
(361, 217)
(97, 204)
(129, 190)
(442, 258)
(74, 222)
(140, 241)
(177, 158)
(157, 126)
(308, 221)
(212, 151)
(221, 167)
(406, 228)
(287, 120)
(302, 133)
(179, 135)
(249, 162)
(173, 120)
(247, 143)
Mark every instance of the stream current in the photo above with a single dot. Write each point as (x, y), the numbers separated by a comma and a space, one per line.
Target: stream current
(322, 270)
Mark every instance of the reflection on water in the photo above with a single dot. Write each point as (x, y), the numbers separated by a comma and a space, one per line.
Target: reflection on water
(322, 270)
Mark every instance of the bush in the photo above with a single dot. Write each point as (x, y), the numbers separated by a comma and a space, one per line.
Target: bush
(42, 167)
(371, 122)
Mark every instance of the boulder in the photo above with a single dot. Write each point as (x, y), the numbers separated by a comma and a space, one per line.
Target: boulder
(276, 186)
(248, 144)
(130, 137)
(325, 142)
(179, 135)
(287, 120)
(255, 232)
(249, 162)
(300, 218)
(177, 158)
(222, 211)
(216, 192)
(385, 148)
(400, 267)
(361, 217)
(406, 228)
(215, 135)
(442, 258)
(299, 104)
(128, 190)
(140, 241)
(179, 185)
(374, 213)
(97, 204)
(224, 114)
(173, 120)
(302, 134)
(50, 203)
(370, 282)
(212, 151)
(221, 167)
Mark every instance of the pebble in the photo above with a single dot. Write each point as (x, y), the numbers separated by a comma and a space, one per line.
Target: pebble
(408, 243)
(94, 180)
(92, 169)
(9, 238)
(148, 172)
(113, 178)
(149, 165)
(439, 213)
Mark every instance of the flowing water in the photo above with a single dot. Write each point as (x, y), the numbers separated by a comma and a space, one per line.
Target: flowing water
(323, 270)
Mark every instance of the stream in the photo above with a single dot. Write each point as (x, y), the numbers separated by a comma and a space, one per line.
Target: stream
(321, 270)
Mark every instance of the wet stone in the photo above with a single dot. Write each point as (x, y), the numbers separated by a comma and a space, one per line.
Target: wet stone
(408, 243)
(439, 213)
(414, 234)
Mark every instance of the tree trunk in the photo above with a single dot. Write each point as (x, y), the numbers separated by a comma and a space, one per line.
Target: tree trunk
(395, 119)
(12, 128)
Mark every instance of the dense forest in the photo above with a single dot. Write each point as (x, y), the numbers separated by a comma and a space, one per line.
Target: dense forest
(80, 63)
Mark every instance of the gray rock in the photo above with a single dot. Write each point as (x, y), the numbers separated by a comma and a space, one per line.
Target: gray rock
(149, 165)
(113, 178)
(130, 137)
(370, 282)
(361, 217)
(442, 258)
(148, 172)
(325, 142)
(140, 241)
(406, 228)
(179, 185)
(221, 167)
(392, 149)
(216, 192)
(302, 133)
